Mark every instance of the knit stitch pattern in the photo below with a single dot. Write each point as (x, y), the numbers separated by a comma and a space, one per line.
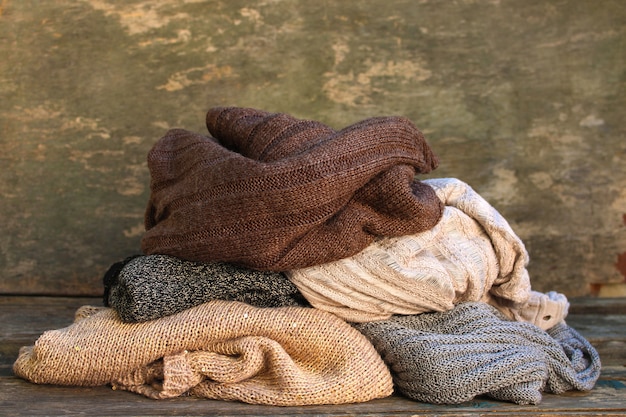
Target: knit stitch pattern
(287, 356)
(150, 287)
(472, 254)
(453, 356)
(266, 189)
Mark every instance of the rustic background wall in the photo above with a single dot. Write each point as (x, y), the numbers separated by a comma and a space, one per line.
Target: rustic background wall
(524, 100)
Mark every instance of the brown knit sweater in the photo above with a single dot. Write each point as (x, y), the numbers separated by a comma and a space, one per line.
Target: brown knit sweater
(269, 191)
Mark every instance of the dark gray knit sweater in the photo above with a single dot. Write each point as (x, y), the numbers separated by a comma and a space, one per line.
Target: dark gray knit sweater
(144, 288)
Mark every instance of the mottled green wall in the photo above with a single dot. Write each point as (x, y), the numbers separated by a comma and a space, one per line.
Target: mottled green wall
(523, 99)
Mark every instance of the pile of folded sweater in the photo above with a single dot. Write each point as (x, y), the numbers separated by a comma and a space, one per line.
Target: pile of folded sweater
(287, 263)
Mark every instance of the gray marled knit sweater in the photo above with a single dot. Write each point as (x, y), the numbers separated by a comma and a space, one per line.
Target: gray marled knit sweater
(453, 356)
(145, 288)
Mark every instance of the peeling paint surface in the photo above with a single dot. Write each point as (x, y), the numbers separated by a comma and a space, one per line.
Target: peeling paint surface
(523, 100)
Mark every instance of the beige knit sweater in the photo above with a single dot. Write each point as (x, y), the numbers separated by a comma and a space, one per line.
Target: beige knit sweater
(220, 350)
(472, 254)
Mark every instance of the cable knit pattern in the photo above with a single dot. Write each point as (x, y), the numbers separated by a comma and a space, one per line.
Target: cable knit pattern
(267, 189)
(472, 254)
(451, 357)
(150, 287)
(220, 350)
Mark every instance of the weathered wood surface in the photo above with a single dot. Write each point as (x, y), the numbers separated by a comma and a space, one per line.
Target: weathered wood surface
(25, 318)
(524, 100)
(20, 398)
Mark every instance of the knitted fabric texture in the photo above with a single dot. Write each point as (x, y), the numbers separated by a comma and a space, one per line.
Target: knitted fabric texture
(154, 286)
(472, 254)
(220, 350)
(266, 189)
(471, 350)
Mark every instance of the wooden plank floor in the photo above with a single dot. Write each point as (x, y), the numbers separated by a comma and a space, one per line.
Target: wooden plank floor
(23, 319)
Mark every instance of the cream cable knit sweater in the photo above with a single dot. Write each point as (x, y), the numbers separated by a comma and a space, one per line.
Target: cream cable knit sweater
(472, 254)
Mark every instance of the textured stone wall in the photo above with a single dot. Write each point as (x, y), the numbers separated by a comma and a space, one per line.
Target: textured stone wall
(524, 100)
